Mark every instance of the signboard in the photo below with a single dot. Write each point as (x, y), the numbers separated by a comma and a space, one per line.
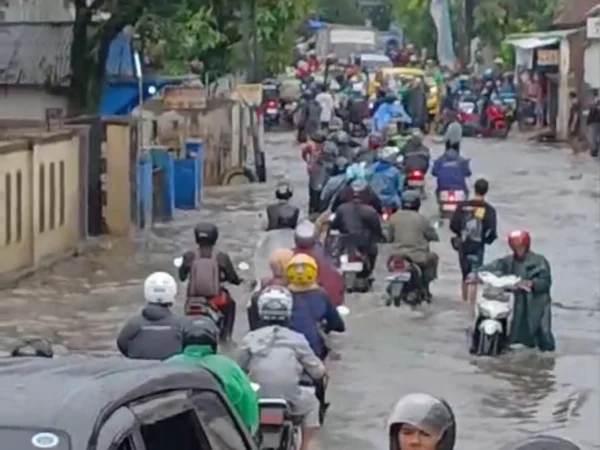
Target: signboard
(351, 36)
(249, 93)
(184, 97)
(546, 57)
(593, 27)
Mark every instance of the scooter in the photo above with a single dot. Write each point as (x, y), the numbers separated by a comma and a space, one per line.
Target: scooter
(385, 217)
(353, 266)
(405, 285)
(448, 201)
(333, 240)
(496, 124)
(415, 180)
(271, 114)
(492, 311)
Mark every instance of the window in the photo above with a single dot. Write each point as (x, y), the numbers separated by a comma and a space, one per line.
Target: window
(181, 431)
(52, 195)
(8, 206)
(19, 212)
(42, 198)
(61, 193)
(223, 430)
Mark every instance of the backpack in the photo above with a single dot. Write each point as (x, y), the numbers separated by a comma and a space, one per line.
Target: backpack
(205, 280)
(472, 234)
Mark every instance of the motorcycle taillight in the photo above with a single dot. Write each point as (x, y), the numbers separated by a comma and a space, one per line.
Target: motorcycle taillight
(397, 265)
(271, 104)
(415, 175)
(194, 311)
(385, 216)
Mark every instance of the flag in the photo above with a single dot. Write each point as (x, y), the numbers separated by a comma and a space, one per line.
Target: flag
(440, 13)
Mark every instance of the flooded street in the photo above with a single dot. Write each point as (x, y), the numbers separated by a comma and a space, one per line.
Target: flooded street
(386, 353)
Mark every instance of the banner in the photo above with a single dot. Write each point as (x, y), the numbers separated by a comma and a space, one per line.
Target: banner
(440, 13)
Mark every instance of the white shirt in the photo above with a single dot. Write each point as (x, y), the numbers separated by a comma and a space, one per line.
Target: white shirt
(327, 103)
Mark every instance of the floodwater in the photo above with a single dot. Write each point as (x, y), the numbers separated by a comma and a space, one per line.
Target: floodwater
(386, 353)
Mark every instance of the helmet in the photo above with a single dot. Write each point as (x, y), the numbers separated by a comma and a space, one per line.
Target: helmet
(519, 239)
(38, 347)
(390, 129)
(341, 138)
(413, 58)
(411, 200)
(283, 191)
(201, 331)
(206, 234)
(302, 270)
(358, 187)
(318, 136)
(305, 234)
(278, 260)
(336, 124)
(542, 442)
(488, 73)
(390, 97)
(454, 133)
(275, 304)
(308, 94)
(426, 413)
(387, 154)
(375, 141)
(160, 288)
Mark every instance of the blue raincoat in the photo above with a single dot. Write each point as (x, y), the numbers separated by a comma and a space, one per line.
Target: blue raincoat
(451, 171)
(388, 111)
(387, 181)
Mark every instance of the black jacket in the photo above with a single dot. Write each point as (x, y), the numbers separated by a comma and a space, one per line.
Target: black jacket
(228, 274)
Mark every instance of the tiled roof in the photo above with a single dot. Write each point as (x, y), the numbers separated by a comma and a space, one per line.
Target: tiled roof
(35, 53)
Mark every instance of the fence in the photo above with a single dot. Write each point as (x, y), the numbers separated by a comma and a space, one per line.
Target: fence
(40, 198)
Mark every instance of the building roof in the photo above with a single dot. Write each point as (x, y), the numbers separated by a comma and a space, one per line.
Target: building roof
(70, 393)
(573, 12)
(35, 53)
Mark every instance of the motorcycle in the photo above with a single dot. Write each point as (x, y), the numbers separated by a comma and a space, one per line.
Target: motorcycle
(526, 114)
(492, 310)
(354, 268)
(467, 116)
(333, 241)
(448, 201)
(271, 114)
(415, 180)
(385, 217)
(405, 285)
(497, 126)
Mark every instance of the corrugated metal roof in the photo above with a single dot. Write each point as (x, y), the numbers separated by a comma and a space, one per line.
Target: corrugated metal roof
(35, 53)
(573, 12)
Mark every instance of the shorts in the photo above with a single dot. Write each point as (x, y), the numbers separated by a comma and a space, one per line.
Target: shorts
(307, 407)
(470, 262)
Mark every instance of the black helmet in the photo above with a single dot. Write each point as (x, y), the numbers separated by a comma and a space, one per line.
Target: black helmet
(411, 200)
(341, 138)
(390, 97)
(34, 347)
(283, 191)
(201, 331)
(206, 234)
(541, 442)
(318, 136)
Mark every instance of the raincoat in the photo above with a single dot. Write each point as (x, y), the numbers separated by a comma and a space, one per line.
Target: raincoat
(232, 378)
(387, 182)
(329, 278)
(531, 323)
(386, 112)
(332, 187)
(451, 171)
(275, 357)
(313, 315)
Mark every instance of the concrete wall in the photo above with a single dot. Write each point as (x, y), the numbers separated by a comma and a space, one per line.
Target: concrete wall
(37, 10)
(39, 199)
(22, 102)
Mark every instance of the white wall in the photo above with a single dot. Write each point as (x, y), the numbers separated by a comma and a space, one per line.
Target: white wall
(38, 10)
(591, 64)
(19, 102)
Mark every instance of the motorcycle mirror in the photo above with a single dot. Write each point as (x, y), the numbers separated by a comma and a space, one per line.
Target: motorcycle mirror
(255, 386)
(243, 266)
(343, 310)
(178, 262)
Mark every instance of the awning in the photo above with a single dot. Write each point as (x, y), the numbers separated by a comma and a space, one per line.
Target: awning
(532, 42)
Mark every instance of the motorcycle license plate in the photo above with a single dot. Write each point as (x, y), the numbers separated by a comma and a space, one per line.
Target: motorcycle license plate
(401, 277)
(416, 183)
(352, 266)
(396, 288)
(334, 232)
(449, 207)
(272, 111)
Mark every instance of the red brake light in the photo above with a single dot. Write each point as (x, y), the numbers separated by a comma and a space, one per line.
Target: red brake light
(415, 175)
(271, 416)
(397, 265)
(271, 103)
(385, 217)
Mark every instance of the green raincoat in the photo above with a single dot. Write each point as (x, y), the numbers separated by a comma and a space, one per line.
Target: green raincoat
(531, 323)
(233, 379)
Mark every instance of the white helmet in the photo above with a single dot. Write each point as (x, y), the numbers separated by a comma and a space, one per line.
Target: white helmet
(160, 288)
(388, 153)
(275, 304)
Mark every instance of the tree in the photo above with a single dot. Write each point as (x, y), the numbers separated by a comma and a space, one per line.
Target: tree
(340, 11)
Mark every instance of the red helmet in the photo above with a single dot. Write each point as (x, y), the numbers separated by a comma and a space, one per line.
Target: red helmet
(519, 238)
(375, 141)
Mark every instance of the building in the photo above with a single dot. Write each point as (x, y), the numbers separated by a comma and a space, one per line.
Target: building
(36, 10)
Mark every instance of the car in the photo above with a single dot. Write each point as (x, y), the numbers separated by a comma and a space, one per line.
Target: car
(83, 403)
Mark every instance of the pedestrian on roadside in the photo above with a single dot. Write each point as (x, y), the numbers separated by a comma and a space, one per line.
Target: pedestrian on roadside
(474, 226)
(593, 123)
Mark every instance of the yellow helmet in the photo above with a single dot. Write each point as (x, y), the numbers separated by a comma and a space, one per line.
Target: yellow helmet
(302, 270)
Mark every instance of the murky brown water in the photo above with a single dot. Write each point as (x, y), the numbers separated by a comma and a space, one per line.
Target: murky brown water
(81, 305)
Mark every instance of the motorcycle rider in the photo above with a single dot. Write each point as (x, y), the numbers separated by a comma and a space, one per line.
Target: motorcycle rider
(386, 180)
(531, 322)
(278, 260)
(411, 233)
(313, 148)
(390, 109)
(360, 226)
(453, 136)
(416, 155)
(327, 103)
(542, 441)
(313, 313)
(320, 172)
(474, 224)
(156, 333)
(451, 171)
(33, 347)
(282, 214)
(335, 183)
(334, 127)
(310, 115)
(328, 277)
(421, 422)
(358, 173)
(200, 342)
(275, 357)
(416, 104)
(208, 270)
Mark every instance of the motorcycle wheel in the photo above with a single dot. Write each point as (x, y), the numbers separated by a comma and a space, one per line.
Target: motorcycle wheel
(489, 345)
(397, 301)
(349, 281)
(501, 133)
